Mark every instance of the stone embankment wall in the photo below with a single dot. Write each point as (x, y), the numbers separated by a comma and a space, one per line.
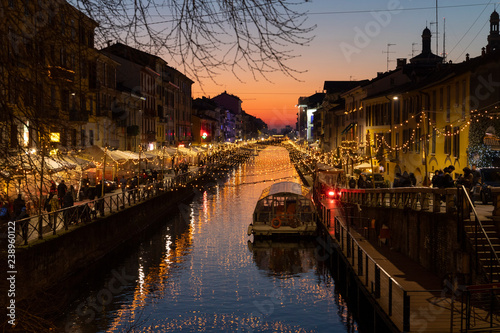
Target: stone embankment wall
(430, 239)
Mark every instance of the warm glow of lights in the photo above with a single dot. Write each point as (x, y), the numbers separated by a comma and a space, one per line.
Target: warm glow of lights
(55, 137)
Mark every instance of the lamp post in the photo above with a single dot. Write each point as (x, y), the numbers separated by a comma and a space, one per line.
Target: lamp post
(139, 167)
(368, 142)
(40, 220)
(103, 170)
(162, 162)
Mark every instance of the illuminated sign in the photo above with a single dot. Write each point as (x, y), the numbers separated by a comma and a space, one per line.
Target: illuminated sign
(204, 135)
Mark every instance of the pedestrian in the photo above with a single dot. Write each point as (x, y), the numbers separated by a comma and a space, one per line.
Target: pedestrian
(100, 200)
(4, 213)
(68, 201)
(362, 181)
(72, 191)
(53, 188)
(448, 181)
(476, 175)
(466, 179)
(437, 180)
(406, 180)
(61, 190)
(413, 179)
(23, 225)
(54, 208)
(381, 168)
(123, 184)
(19, 203)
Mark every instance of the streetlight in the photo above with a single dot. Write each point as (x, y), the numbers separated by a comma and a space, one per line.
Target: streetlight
(103, 170)
(139, 167)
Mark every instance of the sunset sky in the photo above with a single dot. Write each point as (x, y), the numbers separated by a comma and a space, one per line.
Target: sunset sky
(351, 44)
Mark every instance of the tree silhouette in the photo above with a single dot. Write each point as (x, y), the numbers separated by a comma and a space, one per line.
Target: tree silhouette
(205, 37)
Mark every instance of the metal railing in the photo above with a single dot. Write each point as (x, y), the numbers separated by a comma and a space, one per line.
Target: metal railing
(414, 198)
(375, 278)
(481, 241)
(480, 309)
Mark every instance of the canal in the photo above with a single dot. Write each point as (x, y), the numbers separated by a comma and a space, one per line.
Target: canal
(201, 272)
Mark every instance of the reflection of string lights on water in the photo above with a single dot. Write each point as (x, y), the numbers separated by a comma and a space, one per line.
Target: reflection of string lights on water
(223, 323)
(199, 276)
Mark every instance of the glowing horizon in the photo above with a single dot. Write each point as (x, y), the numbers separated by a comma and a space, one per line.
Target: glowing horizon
(351, 44)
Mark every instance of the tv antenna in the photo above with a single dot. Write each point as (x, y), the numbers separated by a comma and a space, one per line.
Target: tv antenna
(413, 49)
(388, 46)
(437, 29)
(444, 39)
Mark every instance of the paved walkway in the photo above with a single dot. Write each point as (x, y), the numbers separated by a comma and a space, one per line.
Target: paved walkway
(389, 276)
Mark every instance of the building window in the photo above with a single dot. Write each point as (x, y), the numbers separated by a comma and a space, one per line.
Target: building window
(456, 142)
(73, 30)
(406, 140)
(441, 99)
(448, 102)
(417, 140)
(396, 143)
(464, 94)
(433, 106)
(396, 111)
(65, 100)
(62, 57)
(82, 137)
(447, 140)
(433, 146)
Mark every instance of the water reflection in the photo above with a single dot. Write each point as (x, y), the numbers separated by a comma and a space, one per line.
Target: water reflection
(196, 273)
(283, 258)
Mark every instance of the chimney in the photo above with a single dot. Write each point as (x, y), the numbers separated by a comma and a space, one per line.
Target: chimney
(400, 62)
(109, 42)
(379, 74)
(483, 51)
(466, 57)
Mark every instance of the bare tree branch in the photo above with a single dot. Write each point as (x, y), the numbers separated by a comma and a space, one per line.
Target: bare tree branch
(206, 38)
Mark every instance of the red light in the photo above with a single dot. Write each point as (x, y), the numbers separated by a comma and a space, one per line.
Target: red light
(331, 193)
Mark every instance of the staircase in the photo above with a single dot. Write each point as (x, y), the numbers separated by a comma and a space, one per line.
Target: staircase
(485, 241)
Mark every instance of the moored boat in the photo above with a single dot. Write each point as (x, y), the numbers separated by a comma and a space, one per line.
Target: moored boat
(284, 208)
(328, 183)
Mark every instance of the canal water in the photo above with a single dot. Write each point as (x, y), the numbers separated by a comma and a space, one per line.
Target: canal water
(201, 272)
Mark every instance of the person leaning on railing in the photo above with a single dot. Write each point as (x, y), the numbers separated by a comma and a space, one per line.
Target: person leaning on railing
(23, 227)
(53, 207)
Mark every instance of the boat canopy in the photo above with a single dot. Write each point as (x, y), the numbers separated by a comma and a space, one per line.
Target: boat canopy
(287, 201)
(285, 187)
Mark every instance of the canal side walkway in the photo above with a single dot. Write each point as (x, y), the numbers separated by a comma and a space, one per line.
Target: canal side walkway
(112, 202)
(414, 299)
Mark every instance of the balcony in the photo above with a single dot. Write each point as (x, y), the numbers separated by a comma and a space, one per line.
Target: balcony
(60, 73)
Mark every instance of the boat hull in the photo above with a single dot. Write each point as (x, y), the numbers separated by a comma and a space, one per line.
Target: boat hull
(263, 229)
